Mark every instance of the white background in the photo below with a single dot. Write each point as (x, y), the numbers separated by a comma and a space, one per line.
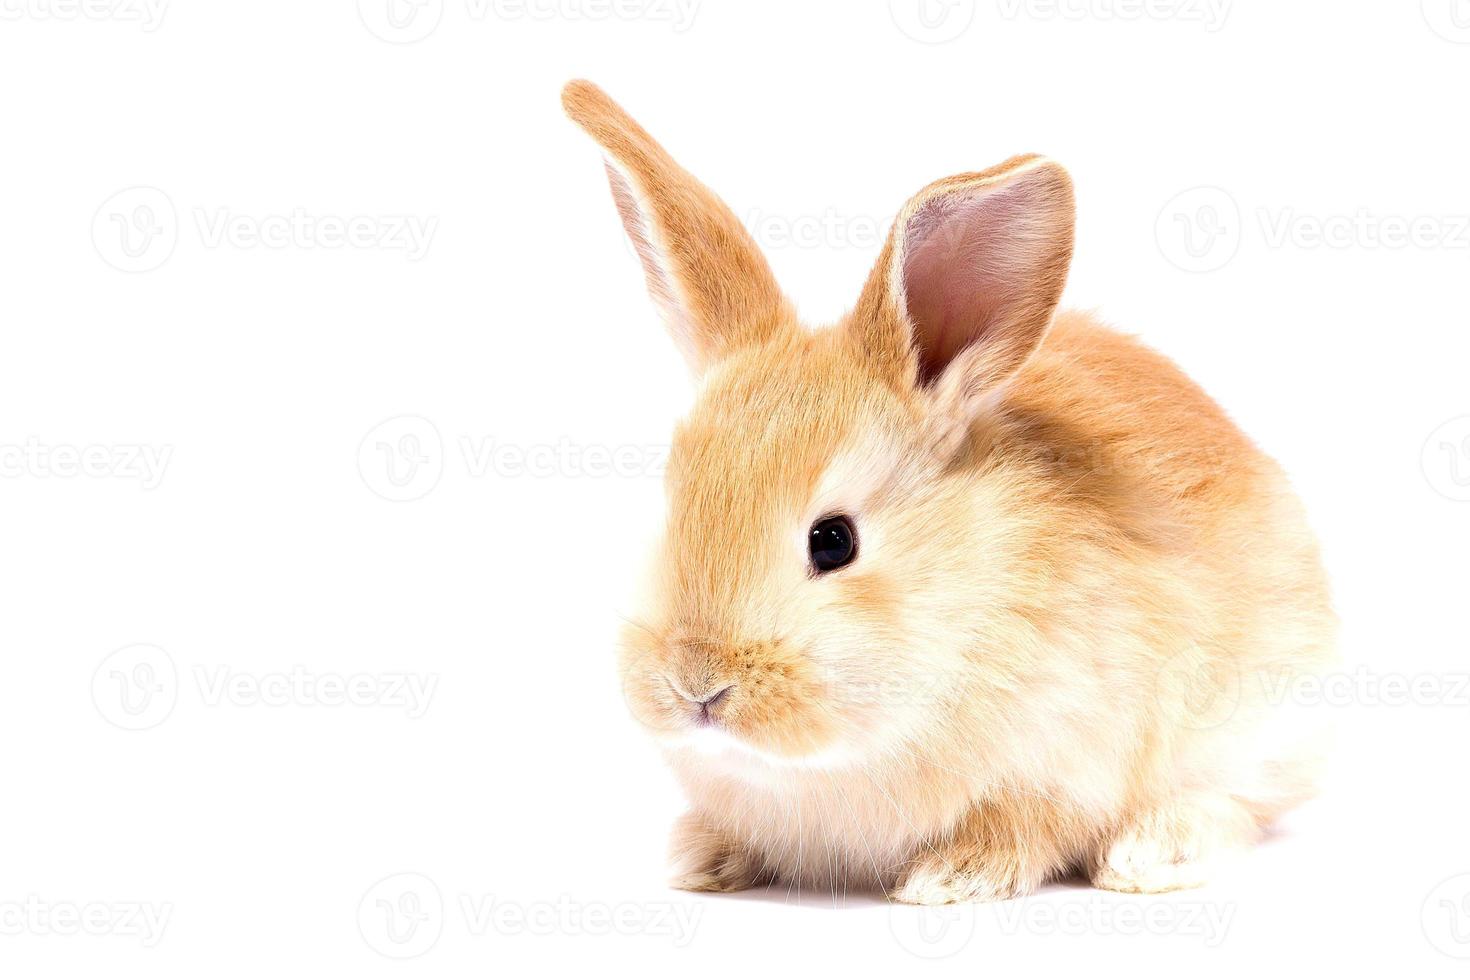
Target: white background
(177, 182)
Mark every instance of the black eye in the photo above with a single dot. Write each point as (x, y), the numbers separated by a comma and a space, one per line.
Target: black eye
(832, 543)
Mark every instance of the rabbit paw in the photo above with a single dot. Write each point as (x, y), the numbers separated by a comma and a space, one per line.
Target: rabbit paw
(937, 879)
(1171, 847)
(704, 860)
(1143, 867)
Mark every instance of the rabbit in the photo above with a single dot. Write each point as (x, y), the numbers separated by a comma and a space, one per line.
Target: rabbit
(959, 595)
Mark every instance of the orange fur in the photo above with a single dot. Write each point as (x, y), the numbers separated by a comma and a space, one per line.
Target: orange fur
(1063, 543)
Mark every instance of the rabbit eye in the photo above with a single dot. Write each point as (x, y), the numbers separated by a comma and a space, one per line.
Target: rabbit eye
(832, 543)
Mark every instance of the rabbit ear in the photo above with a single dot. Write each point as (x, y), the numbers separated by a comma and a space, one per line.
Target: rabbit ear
(969, 280)
(705, 273)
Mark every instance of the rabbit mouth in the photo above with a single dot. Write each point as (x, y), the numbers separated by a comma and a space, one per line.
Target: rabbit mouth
(705, 709)
(765, 698)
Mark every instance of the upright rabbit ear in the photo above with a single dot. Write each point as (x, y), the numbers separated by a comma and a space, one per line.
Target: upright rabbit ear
(969, 280)
(705, 273)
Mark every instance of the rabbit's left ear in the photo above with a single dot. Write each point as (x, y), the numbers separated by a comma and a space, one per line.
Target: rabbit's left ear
(968, 281)
(704, 271)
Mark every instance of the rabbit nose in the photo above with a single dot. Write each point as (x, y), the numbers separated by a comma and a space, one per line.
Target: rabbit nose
(707, 705)
(708, 702)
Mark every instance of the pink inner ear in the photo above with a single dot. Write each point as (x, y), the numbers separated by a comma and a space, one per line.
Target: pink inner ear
(970, 262)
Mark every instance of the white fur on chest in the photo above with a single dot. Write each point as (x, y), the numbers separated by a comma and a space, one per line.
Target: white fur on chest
(820, 821)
